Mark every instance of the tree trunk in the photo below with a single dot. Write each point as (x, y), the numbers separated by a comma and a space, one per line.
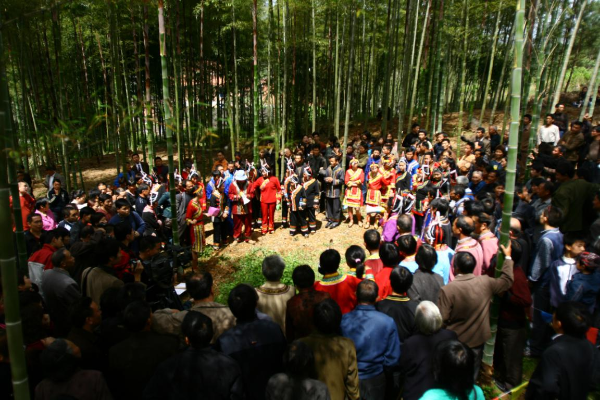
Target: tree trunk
(236, 93)
(591, 87)
(167, 117)
(388, 58)
(417, 64)
(513, 141)
(255, 66)
(491, 67)
(561, 76)
(349, 89)
(284, 91)
(411, 8)
(148, 99)
(314, 71)
(8, 266)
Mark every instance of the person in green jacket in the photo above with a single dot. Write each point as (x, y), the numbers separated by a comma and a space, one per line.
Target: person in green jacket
(574, 197)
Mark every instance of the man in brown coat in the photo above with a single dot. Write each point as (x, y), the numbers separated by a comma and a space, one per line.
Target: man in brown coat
(335, 355)
(465, 302)
(573, 141)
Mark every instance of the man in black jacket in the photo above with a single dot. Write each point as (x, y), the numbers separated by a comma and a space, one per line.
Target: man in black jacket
(200, 371)
(566, 368)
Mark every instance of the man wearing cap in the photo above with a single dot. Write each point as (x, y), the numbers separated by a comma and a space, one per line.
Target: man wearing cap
(240, 194)
(270, 195)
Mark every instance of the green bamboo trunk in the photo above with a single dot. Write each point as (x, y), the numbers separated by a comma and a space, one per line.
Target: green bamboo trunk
(591, 87)
(8, 265)
(463, 75)
(349, 90)
(148, 98)
(513, 142)
(283, 103)
(388, 58)
(236, 108)
(255, 109)
(411, 107)
(491, 67)
(167, 117)
(314, 70)
(561, 76)
(61, 115)
(10, 143)
(402, 96)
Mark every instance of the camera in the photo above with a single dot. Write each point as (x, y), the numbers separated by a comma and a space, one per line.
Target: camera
(160, 271)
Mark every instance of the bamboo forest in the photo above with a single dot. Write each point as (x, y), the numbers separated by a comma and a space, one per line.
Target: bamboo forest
(91, 87)
(87, 78)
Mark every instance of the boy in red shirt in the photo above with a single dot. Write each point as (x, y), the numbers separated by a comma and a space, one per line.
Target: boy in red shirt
(390, 256)
(342, 288)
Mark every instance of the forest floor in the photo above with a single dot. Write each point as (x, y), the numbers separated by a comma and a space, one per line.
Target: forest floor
(225, 263)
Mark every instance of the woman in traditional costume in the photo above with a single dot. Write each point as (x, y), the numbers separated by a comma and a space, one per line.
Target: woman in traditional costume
(353, 199)
(194, 220)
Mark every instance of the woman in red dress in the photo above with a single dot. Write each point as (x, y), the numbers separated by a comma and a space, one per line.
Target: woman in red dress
(193, 218)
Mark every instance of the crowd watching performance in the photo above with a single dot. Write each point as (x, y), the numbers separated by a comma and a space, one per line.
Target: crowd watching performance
(112, 307)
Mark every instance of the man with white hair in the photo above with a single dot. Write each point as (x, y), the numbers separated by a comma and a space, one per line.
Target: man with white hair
(274, 295)
(477, 182)
(417, 350)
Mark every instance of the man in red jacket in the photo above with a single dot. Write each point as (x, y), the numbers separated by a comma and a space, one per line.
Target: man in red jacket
(52, 241)
(270, 193)
(27, 204)
(512, 326)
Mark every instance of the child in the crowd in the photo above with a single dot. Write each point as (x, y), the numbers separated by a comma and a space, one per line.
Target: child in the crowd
(562, 270)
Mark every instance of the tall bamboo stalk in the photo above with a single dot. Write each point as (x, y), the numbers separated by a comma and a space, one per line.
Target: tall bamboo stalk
(463, 75)
(236, 94)
(148, 98)
(404, 81)
(561, 76)
(513, 142)
(591, 87)
(255, 80)
(336, 83)
(349, 90)
(491, 66)
(417, 64)
(283, 103)
(61, 115)
(388, 60)
(314, 70)
(167, 112)
(8, 266)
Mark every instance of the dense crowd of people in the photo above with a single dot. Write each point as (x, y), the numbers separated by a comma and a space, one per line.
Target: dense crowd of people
(403, 313)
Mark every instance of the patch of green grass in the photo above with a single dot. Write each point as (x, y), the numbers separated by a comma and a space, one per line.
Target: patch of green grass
(248, 269)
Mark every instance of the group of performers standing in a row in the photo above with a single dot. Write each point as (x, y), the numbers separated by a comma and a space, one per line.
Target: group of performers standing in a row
(239, 200)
